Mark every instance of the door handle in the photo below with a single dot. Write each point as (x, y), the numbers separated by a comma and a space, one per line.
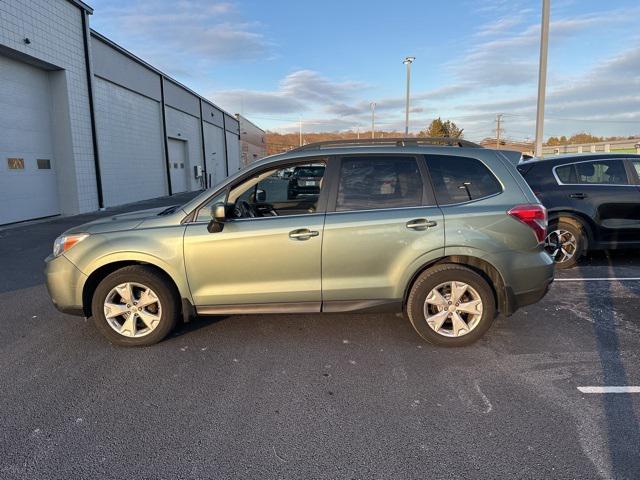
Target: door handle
(421, 224)
(303, 234)
(579, 195)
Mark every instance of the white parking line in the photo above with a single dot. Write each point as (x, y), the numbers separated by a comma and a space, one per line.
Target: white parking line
(609, 389)
(598, 279)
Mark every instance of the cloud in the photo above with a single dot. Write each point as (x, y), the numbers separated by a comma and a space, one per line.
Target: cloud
(509, 57)
(299, 91)
(178, 36)
(604, 100)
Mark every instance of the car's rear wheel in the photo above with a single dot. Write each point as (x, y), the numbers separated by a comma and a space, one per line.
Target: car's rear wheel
(135, 306)
(451, 305)
(565, 244)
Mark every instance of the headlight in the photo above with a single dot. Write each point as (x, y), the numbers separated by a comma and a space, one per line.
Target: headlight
(65, 242)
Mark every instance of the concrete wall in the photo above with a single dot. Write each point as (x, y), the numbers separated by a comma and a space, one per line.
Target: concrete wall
(134, 87)
(253, 144)
(136, 109)
(607, 146)
(55, 33)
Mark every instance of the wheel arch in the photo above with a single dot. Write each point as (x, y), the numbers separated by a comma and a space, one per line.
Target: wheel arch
(101, 272)
(580, 220)
(482, 267)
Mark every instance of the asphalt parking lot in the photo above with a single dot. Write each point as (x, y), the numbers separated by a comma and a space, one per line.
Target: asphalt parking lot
(320, 396)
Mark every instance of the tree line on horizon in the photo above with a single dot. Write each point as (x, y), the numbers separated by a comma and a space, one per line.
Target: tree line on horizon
(281, 142)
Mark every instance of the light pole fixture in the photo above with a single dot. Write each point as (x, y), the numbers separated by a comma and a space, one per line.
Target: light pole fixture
(407, 61)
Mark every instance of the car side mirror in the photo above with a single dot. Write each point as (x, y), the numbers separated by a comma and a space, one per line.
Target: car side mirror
(261, 196)
(219, 214)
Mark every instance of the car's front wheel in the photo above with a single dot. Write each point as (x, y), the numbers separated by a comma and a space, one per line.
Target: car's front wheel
(451, 305)
(135, 306)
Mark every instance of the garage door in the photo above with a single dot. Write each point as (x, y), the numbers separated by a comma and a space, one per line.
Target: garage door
(27, 167)
(233, 153)
(216, 164)
(130, 141)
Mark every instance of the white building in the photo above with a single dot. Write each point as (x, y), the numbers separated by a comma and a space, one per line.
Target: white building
(85, 124)
(253, 141)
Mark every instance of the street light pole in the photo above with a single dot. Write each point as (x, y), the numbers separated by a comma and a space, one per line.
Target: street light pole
(300, 130)
(407, 61)
(542, 75)
(373, 119)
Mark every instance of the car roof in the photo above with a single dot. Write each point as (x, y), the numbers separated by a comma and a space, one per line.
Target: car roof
(374, 149)
(564, 158)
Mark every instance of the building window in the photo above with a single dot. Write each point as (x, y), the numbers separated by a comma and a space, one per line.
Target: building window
(44, 164)
(15, 163)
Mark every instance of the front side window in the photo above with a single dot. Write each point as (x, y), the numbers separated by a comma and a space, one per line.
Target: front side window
(461, 179)
(371, 182)
(602, 172)
(205, 213)
(278, 191)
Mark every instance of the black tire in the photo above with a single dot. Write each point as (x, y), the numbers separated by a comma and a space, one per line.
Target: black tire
(164, 290)
(579, 234)
(435, 276)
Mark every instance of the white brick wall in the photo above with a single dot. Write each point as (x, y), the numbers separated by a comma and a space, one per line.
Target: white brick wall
(129, 143)
(54, 28)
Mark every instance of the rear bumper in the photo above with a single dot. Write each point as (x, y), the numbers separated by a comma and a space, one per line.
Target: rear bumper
(529, 283)
(64, 283)
(516, 301)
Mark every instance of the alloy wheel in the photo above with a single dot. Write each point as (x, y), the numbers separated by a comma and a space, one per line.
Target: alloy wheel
(561, 245)
(453, 309)
(132, 309)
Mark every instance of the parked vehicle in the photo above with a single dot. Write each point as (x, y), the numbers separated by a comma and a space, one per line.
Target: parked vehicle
(441, 229)
(305, 181)
(593, 202)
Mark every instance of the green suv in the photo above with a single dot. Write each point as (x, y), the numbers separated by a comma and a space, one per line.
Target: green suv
(443, 230)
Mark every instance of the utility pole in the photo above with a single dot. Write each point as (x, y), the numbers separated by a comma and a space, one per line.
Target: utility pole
(498, 130)
(542, 75)
(373, 120)
(358, 132)
(407, 61)
(300, 128)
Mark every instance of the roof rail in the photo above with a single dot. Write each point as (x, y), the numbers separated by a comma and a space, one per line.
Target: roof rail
(396, 142)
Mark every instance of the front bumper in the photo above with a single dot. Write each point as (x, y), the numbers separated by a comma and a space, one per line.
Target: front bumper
(64, 282)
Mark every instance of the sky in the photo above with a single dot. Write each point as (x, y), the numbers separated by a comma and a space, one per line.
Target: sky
(323, 62)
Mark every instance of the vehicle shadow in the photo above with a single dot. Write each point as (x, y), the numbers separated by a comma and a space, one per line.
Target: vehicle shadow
(195, 324)
(621, 422)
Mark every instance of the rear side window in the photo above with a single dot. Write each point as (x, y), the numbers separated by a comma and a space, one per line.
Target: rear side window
(566, 174)
(611, 172)
(368, 182)
(461, 179)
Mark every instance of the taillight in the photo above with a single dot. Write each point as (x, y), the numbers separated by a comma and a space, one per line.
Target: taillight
(534, 216)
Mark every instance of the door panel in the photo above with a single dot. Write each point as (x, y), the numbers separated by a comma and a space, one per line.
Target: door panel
(255, 260)
(178, 165)
(614, 209)
(365, 254)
